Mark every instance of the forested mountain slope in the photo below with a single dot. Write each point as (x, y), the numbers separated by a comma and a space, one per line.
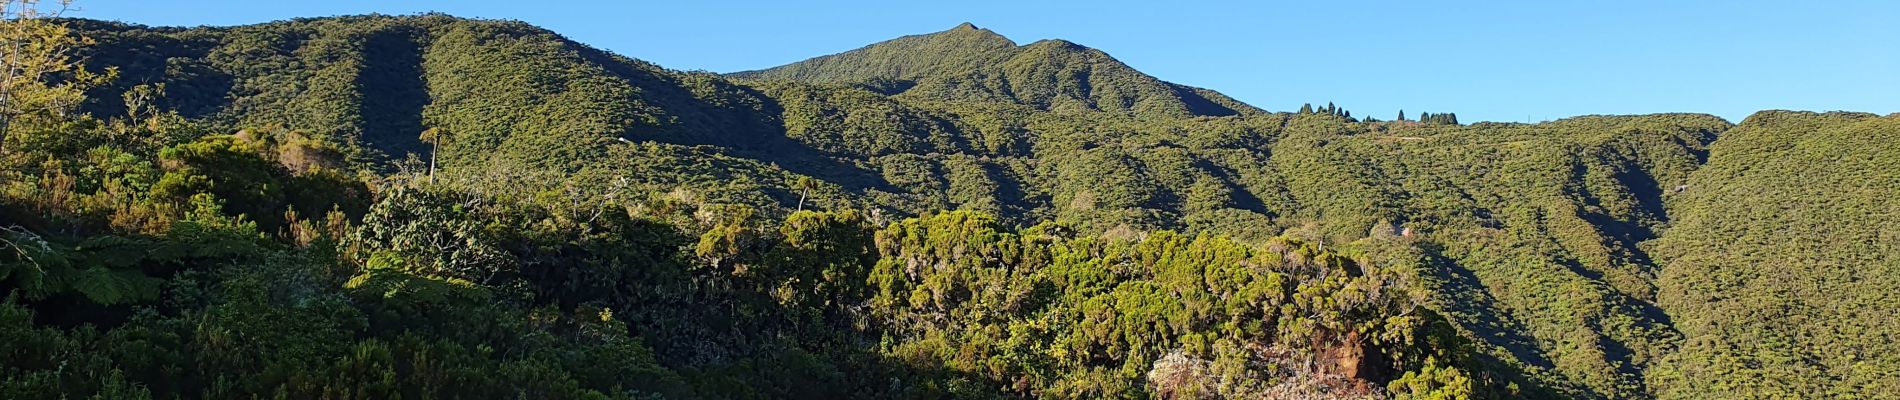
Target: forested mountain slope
(967, 63)
(1782, 263)
(434, 199)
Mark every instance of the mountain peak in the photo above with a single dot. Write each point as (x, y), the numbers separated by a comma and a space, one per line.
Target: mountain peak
(968, 63)
(960, 48)
(966, 32)
(1060, 44)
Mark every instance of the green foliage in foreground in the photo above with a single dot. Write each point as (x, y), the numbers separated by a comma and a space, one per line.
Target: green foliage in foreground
(171, 262)
(439, 292)
(588, 225)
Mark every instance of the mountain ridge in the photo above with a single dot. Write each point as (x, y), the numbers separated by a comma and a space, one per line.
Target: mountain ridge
(966, 63)
(963, 37)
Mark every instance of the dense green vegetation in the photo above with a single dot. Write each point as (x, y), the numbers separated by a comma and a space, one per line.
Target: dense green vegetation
(1781, 271)
(967, 63)
(429, 206)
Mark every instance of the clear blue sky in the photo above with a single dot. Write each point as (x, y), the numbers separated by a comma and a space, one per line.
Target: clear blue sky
(1500, 61)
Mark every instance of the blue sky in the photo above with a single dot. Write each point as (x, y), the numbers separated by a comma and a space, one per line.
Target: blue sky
(1498, 61)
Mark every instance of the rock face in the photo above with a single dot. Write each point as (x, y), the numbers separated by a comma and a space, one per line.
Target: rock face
(1356, 360)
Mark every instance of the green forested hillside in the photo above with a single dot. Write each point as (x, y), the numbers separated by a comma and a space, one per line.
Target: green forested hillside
(1781, 270)
(960, 49)
(430, 206)
(967, 63)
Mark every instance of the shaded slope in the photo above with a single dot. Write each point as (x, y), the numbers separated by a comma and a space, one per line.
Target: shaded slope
(1528, 227)
(516, 103)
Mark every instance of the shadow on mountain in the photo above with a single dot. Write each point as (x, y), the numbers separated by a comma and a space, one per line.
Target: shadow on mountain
(1198, 104)
(745, 132)
(1477, 311)
(392, 114)
(193, 87)
(1241, 197)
